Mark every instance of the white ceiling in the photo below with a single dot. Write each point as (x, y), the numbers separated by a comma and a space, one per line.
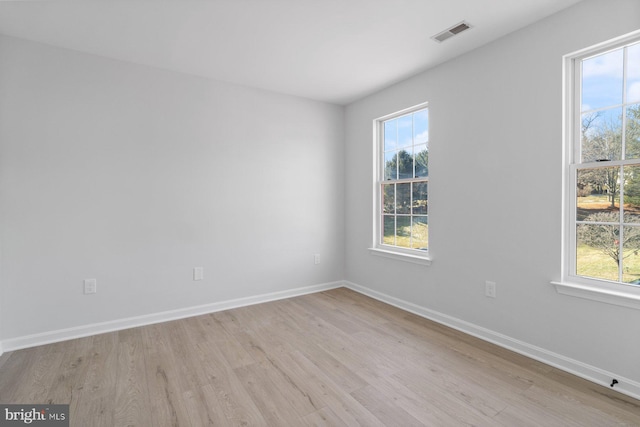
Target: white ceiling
(329, 50)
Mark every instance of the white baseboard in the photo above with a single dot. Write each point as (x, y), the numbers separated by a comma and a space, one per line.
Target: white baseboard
(18, 343)
(575, 367)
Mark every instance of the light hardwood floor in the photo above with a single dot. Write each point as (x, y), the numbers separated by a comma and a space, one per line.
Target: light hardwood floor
(332, 358)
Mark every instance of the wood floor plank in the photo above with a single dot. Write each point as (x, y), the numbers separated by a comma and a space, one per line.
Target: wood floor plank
(531, 415)
(292, 387)
(426, 412)
(356, 355)
(95, 402)
(472, 379)
(339, 373)
(592, 395)
(132, 406)
(163, 377)
(199, 409)
(39, 369)
(333, 358)
(274, 407)
(323, 309)
(4, 357)
(383, 408)
(14, 369)
(217, 334)
(448, 394)
(323, 417)
(568, 408)
(233, 402)
(184, 360)
(348, 409)
(165, 394)
(68, 384)
(223, 392)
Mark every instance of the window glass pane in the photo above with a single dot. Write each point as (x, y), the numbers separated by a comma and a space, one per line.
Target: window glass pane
(420, 127)
(421, 155)
(631, 255)
(598, 195)
(602, 80)
(405, 131)
(404, 205)
(608, 243)
(419, 204)
(405, 164)
(389, 230)
(633, 73)
(631, 194)
(388, 198)
(597, 251)
(602, 135)
(632, 132)
(403, 198)
(419, 232)
(390, 135)
(390, 165)
(403, 231)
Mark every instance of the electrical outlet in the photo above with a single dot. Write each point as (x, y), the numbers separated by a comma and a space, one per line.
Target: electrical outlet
(316, 259)
(90, 286)
(490, 289)
(198, 273)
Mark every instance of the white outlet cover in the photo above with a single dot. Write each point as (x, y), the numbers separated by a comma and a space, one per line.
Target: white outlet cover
(490, 289)
(90, 286)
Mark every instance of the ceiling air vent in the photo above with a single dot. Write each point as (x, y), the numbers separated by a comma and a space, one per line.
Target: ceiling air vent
(450, 32)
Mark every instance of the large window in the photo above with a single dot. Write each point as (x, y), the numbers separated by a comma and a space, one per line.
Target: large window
(602, 246)
(402, 182)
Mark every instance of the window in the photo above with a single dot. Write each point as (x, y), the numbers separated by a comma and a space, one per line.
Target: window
(602, 197)
(402, 179)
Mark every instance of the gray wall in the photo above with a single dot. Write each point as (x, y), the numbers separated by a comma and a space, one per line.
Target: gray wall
(495, 192)
(134, 175)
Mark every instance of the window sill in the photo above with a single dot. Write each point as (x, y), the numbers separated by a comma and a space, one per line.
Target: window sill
(609, 296)
(415, 259)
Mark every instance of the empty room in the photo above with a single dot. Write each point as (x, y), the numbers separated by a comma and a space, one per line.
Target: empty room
(338, 212)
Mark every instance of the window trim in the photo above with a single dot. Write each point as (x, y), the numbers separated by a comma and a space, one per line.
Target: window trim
(415, 256)
(609, 292)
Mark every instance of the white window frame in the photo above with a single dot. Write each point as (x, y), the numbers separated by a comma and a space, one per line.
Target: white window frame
(415, 256)
(616, 293)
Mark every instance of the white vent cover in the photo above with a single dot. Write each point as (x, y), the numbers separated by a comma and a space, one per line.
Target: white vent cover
(450, 32)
